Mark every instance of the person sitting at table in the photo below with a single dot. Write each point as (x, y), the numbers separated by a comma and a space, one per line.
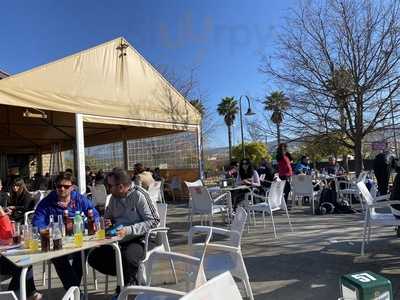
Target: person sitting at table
(64, 198)
(131, 207)
(157, 175)
(334, 168)
(246, 176)
(20, 202)
(266, 169)
(303, 166)
(7, 268)
(141, 177)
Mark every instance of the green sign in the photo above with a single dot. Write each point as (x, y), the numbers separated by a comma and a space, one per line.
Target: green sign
(365, 286)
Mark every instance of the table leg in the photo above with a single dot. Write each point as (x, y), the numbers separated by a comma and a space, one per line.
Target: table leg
(84, 271)
(22, 284)
(118, 263)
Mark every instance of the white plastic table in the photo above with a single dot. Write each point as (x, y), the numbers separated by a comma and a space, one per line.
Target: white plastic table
(24, 258)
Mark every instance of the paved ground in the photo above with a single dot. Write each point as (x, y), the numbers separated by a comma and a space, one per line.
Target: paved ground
(305, 264)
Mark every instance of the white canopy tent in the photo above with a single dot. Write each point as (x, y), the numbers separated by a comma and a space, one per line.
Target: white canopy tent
(110, 87)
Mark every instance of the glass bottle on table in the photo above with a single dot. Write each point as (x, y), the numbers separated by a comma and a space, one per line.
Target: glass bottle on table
(68, 224)
(61, 224)
(57, 237)
(90, 223)
(16, 232)
(78, 234)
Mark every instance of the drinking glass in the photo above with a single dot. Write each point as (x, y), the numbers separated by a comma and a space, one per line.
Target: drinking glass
(34, 242)
(101, 229)
(16, 233)
(27, 232)
(45, 239)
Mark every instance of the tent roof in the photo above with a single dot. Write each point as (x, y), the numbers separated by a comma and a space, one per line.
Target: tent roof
(109, 84)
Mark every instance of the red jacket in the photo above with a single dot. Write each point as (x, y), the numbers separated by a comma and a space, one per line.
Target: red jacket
(5, 228)
(284, 167)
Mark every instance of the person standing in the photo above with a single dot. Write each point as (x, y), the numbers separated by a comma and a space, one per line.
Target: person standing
(284, 167)
(382, 168)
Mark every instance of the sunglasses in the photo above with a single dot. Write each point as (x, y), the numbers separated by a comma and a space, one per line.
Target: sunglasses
(65, 186)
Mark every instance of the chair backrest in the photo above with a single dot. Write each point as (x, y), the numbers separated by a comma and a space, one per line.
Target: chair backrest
(73, 293)
(198, 182)
(366, 195)
(220, 287)
(201, 199)
(99, 194)
(107, 200)
(155, 191)
(238, 224)
(37, 195)
(162, 209)
(302, 184)
(193, 266)
(275, 195)
(362, 176)
(8, 295)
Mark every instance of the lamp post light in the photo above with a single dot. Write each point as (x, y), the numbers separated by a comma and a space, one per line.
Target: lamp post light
(248, 113)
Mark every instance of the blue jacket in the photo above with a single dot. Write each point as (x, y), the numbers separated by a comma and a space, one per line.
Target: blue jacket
(48, 206)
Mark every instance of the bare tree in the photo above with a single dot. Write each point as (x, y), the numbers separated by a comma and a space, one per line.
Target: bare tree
(328, 43)
(188, 86)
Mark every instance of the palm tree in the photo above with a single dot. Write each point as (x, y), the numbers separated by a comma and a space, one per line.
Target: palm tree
(228, 108)
(278, 103)
(199, 106)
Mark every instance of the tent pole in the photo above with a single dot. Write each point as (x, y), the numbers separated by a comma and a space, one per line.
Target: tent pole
(80, 153)
(199, 151)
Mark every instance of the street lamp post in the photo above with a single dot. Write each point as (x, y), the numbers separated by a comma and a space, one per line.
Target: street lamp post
(248, 113)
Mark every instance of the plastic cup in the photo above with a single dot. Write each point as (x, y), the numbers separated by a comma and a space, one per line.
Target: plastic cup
(101, 229)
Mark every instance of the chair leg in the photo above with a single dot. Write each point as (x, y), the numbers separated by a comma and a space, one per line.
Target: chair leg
(369, 234)
(49, 274)
(263, 215)
(106, 285)
(288, 217)
(273, 224)
(44, 273)
(95, 279)
(364, 236)
(171, 262)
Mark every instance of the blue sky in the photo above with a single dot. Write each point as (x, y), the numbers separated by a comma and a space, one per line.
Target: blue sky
(222, 40)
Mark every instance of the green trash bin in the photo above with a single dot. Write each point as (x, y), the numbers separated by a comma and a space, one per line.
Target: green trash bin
(365, 286)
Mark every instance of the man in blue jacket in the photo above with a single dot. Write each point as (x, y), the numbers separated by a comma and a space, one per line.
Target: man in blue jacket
(64, 198)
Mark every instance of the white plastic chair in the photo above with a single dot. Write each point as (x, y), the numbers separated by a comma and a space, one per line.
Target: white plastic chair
(8, 295)
(73, 293)
(350, 189)
(302, 186)
(272, 202)
(205, 206)
(372, 217)
(224, 257)
(150, 292)
(155, 192)
(195, 275)
(161, 230)
(99, 194)
(220, 287)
